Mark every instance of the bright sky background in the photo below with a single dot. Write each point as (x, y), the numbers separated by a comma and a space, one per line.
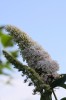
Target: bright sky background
(45, 22)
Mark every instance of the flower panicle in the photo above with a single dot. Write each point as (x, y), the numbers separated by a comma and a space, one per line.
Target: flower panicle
(35, 56)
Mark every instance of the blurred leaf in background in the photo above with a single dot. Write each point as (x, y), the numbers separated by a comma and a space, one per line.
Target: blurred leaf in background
(6, 42)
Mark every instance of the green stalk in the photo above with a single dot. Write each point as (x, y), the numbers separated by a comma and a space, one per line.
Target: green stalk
(46, 96)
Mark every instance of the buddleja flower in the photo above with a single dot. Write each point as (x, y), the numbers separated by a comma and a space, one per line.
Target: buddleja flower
(35, 56)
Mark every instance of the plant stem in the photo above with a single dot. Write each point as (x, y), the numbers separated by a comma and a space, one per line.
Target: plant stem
(46, 96)
(54, 95)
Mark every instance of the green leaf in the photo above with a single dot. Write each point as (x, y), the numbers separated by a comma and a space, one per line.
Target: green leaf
(0, 33)
(63, 98)
(14, 53)
(6, 40)
(63, 86)
(7, 66)
(59, 82)
(1, 65)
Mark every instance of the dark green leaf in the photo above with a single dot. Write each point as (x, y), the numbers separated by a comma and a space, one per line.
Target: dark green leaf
(59, 82)
(63, 86)
(63, 98)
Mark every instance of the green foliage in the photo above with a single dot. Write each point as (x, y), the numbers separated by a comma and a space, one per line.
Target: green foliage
(59, 82)
(63, 86)
(63, 98)
(6, 41)
(14, 53)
